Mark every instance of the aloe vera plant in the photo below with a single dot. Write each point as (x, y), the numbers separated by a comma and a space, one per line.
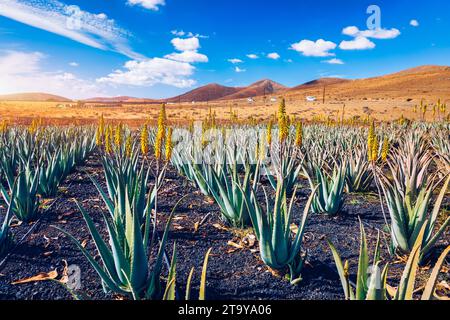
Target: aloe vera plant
(125, 179)
(53, 169)
(287, 167)
(231, 193)
(329, 197)
(406, 287)
(408, 218)
(441, 146)
(279, 249)
(370, 279)
(409, 165)
(125, 261)
(5, 234)
(359, 176)
(25, 201)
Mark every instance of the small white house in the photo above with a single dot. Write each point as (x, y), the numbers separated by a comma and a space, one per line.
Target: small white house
(273, 99)
(311, 98)
(250, 100)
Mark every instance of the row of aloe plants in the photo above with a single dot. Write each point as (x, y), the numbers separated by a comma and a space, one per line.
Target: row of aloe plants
(128, 266)
(34, 161)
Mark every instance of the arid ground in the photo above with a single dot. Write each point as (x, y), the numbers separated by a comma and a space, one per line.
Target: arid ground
(384, 98)
(23, 112)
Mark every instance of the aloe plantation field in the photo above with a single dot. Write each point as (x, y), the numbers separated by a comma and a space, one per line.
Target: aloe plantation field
(350, 209)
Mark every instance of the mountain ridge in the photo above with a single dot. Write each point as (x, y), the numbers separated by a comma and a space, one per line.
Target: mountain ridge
(425, 79)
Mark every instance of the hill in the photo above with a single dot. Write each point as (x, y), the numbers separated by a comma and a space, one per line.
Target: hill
(33, 96)
(209, 92)
(421, 82)
(121, 99)
(260, 88)
(320, 83)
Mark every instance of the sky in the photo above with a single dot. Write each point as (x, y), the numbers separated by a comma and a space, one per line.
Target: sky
(161, 48)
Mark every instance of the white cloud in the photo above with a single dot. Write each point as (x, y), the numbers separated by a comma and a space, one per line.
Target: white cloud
(22, 72)
(178, 33)
(235, 61)
(148, 4)
(274, 56)
(334, 61)
(74, 64)
(18, 63)
(375, 33)
(188, 56)
(414, 23)
(153, 71)
(189, 44)
(196, 35)
(188, 48)
(174, 69)
(182, 33)
(239, 70)
(359, 43)
(362, 38)
(252, 56)
(94, 30)
(309, 48)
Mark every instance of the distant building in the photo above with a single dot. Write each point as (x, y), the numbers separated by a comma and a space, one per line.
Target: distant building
(250, 100)
(273, 99)
(311, 98)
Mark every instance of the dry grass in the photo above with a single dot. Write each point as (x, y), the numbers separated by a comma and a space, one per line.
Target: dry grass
(134, 115)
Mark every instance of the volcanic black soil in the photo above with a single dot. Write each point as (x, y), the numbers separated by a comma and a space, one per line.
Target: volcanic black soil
(234, 271)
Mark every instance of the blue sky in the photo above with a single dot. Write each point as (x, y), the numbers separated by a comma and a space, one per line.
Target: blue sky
(160, 48)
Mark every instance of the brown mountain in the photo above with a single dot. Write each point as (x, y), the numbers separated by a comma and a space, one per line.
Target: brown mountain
(206, 93)
(121, 99)
(260, 88)
(33, 96)
(320, 83)
(415, 83)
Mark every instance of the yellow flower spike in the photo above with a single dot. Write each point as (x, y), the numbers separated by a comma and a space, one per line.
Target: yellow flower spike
(299, 134)
(98, 137)
(4, 126)
(269, 133)
(144, 140)
(169, 145)
(158, 147)
(118, 139)
(257, 149)
(204, 141)
(385, 150)
(108, 137)
(161, 132)
(129, 146)
(282, 121)
(375, 147)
